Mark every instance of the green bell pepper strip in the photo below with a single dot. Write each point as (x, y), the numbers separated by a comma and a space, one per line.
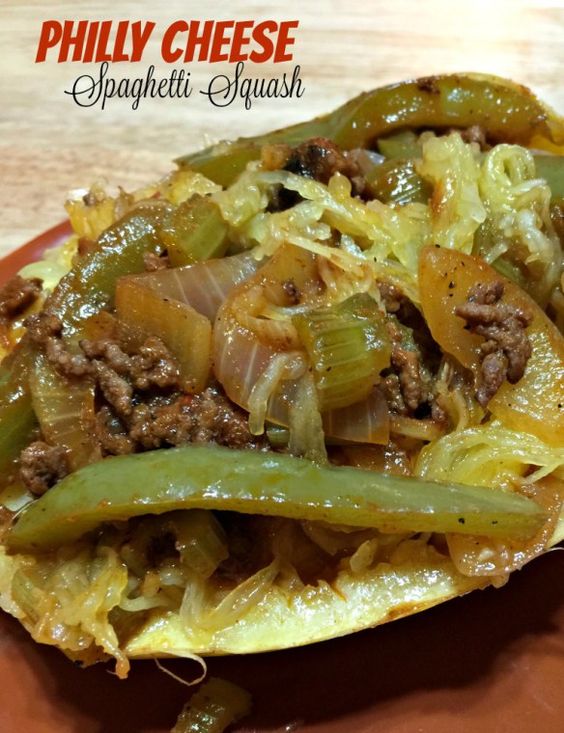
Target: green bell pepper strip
(507, 112)
(551, 168)
(85, 290)
(17, 419)
(395, 181)
(403, 145)
(17, 425)
(253, 482)
(90, 286)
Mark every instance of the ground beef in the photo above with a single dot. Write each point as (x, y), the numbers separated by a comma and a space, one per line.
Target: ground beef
(116, 372)
(111, 434)
(475, 134)
(17, 295)
(153, 262)
(151, 366)
(173, 420)
(506, 347)
(409, 385)
(66, 363)
(109, 351)
(155, 426)
(42, 326)
(390, 387)
(44, 329)
(413, 386)
(117, 391)
(42, 465)
(205, 418)
(392, 297)
(139, 398)
(319, 158)
(291, 291)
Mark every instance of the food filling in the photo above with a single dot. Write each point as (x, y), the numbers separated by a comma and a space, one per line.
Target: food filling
(384, 315)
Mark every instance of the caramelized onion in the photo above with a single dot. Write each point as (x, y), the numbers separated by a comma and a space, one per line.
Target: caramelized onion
(306, 426)
(204, 285)
(184, 331)
(239, 360)
(241, 356)
(366, 421)
(415, 428)
(65, 411)
(266, 386)
(201, 610)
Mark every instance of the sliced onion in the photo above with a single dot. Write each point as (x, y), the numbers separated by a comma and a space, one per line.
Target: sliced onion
(204, 285)
(306, 426)
(264, 389)
(65, 411)
(198, 608)
(184, 331)
(249, 305)
(240, 360)
(367, 421)
(414, 428)
(241, 356)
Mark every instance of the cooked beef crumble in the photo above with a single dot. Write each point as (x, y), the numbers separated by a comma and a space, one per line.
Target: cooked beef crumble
(153, 262)
(17, 295)
(140, 399)
(409, 386)
(45, 329)
(117, 391)
(414, 381)
(475, 134)
(392, 297)
(111, 435)
(506, 347)
(42, 465)
(151, 366)
(409, 383)
(319, 158)
(42, 326)
(208, 417)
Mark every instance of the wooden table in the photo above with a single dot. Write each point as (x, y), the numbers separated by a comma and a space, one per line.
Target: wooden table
(48, 145)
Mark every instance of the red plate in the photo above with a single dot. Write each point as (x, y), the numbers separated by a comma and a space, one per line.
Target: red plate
(490, 662)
